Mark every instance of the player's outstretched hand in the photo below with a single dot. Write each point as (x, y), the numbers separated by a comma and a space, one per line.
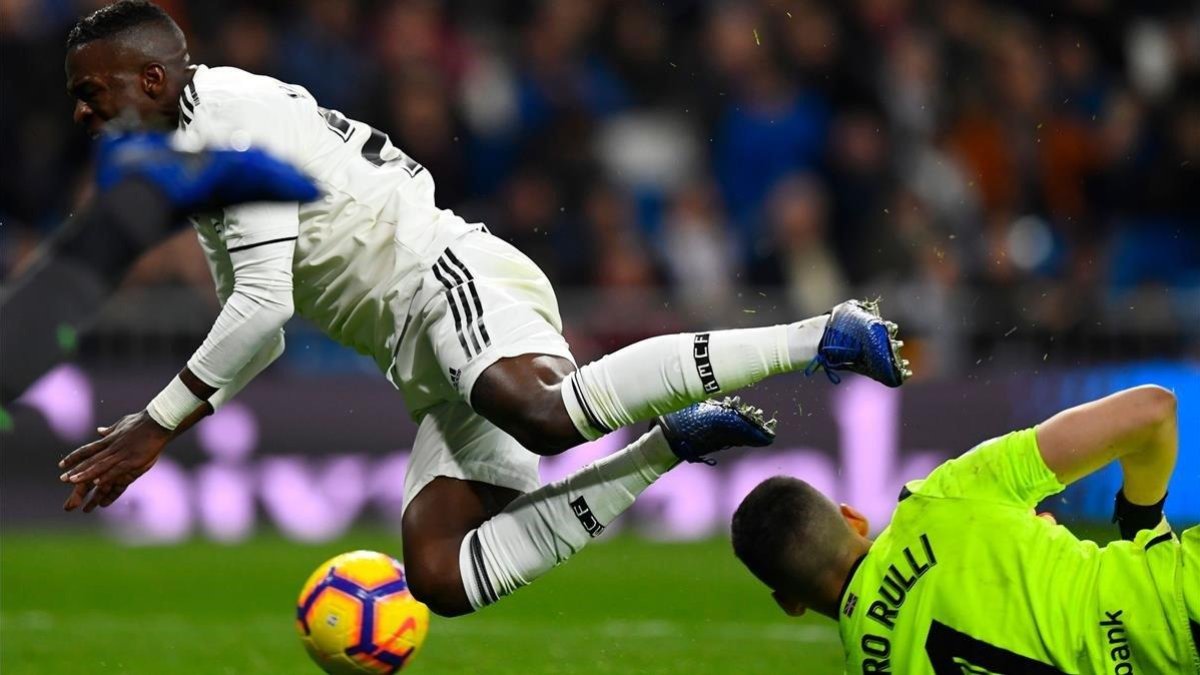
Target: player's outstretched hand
(105, 467)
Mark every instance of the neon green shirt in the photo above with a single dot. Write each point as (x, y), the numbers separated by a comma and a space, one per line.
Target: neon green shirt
(967, 579)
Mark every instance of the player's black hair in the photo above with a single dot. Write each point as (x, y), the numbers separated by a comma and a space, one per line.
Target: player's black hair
(118, 18)
(788, 534)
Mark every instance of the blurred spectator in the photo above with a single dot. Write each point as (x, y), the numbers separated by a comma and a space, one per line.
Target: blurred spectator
(911, 88)
(321, 51)
(767, 127)
(653, 155)
(640, 53)
(415, 34)
(423, 123)
(814, 45)
(249, 41)
(617, 255)
(860, 176)
(701, 256)
(532, 220)
(561, 77)
(797, 254)
(1081, 88)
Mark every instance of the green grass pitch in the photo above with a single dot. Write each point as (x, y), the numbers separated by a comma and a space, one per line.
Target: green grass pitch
(81, 603)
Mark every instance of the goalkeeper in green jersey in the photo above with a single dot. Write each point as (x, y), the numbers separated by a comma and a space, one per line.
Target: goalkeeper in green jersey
(967, 579)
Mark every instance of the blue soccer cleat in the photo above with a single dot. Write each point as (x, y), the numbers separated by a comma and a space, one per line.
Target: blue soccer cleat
(195, 181)
(711, 426)
(858, 340)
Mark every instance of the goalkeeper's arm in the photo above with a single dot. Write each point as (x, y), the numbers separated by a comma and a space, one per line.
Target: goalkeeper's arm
(1136, 427)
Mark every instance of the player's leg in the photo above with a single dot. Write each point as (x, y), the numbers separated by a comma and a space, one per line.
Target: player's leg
(485, 303)
(495, 329)
(435, 524)
(463, 470)
(549, 406)
(463, 551)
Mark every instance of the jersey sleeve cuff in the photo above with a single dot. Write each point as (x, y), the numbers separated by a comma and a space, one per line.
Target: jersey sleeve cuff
(244, 245)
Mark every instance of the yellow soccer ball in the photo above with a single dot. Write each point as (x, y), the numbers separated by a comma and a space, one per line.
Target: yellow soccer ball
(355, 615)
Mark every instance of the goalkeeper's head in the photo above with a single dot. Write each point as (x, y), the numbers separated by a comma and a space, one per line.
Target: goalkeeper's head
(799, 543)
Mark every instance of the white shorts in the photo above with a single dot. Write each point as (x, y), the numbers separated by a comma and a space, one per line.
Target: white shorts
(480, 301)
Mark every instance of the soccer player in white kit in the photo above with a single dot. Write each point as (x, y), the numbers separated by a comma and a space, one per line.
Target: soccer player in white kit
(462, 323)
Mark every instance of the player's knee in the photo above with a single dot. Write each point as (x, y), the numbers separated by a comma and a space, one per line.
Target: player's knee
(442, 605)
(538, 420)
(543, 426)
(523, 397)
(438, 586)
(542, 423)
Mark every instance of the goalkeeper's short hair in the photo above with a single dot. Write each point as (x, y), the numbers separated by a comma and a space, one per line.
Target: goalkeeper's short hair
(789, 535)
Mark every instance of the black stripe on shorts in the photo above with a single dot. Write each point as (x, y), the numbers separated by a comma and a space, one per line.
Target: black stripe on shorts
(483, 333)
(464, 302)
(459, 282)
(450, 300)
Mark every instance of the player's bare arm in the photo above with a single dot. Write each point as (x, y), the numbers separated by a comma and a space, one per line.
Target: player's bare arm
(1136, 427)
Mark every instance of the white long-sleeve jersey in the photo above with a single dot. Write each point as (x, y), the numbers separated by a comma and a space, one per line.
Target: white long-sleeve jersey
(350, 259)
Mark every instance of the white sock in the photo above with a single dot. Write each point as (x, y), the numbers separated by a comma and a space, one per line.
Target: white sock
(541, 529)
(666, 373)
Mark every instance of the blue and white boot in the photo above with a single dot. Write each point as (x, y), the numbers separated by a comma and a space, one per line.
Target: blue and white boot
(711, 426)
(858, 340)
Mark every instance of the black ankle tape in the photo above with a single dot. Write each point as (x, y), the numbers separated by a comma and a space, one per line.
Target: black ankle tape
(1132, 518)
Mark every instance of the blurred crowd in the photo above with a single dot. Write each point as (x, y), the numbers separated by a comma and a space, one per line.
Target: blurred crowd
(1043, 156)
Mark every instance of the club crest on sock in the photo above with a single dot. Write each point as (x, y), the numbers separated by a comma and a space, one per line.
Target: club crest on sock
(704, 363)
(584, 513)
